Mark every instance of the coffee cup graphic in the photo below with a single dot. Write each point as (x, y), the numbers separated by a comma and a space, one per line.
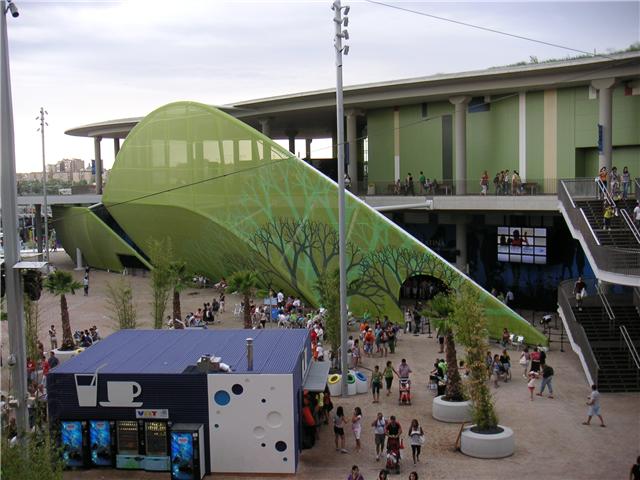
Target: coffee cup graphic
(122, 394)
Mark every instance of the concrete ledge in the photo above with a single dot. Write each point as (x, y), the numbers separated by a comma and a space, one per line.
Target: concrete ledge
(532, 203)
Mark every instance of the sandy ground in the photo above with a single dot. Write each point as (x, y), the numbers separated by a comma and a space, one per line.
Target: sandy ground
(551, 441)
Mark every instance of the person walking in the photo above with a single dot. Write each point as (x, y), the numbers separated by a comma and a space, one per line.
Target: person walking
(356, 426)
(338, 429)
(608, 215)
(355, 474)
(531, 385)
(379, 425)
(376, 383)
(636, 214)
(634, 474)
(403, 369)
(484, 183)
(85, 285)
(594, 406)
(626, 182)
(580, 291)
(524, 361)
(416, 438)
(547, 377)
(388, 376)
(53, 337)
(413, 476)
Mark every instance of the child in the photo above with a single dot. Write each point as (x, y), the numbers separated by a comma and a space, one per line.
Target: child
(533, 376)
(356, 426)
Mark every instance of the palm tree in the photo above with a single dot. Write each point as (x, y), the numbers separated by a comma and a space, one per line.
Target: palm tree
(60, 283)
(244, 282)
(179, 281)
(442, 308)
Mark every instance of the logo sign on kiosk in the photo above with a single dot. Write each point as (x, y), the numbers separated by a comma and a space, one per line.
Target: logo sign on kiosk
(154, 414)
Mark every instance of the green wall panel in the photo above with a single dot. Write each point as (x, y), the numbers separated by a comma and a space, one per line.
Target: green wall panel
(79, 227)
(230, 199)
(569, 113)
(420, 142)
(380, 134)
(535, 135)
(626, 118)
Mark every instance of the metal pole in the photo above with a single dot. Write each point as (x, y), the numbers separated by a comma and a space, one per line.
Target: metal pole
(44, 188)
(10, 229)
(341, 196)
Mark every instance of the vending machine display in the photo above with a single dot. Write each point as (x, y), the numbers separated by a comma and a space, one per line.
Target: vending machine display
(187, 452)
(101, 443)
(72, 443)
(156, 446)
(128, 440)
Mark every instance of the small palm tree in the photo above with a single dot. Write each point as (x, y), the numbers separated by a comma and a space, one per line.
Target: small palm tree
(441, 307)
(60, 283)
(244, 282)
(179, 281)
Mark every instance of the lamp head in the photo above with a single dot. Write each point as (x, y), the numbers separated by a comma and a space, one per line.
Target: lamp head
(13, 9)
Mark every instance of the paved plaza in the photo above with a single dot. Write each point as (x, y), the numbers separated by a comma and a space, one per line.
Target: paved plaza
(551, 441)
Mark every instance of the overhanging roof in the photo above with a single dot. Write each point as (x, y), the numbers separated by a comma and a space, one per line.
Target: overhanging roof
(312, 114)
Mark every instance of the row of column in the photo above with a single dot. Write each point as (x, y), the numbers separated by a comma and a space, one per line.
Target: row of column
(97, 152)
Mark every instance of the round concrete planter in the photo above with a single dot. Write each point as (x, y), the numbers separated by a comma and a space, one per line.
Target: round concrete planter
(64, 355)
(479, 445)
(451, 412)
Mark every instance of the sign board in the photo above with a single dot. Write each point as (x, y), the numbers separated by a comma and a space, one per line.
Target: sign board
(162, 413)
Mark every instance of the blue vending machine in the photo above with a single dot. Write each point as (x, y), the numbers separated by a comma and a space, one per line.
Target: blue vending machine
(73, 443)
(187, 451)
(102, 443)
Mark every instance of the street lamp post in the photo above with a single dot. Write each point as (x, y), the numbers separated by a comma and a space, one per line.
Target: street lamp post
(45, 208)
(340, 34)
(17, 358)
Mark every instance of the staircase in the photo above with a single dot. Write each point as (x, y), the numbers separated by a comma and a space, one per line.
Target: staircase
(619, 235)
(617, 373)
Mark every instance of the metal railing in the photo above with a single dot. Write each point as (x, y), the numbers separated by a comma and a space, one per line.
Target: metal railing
(606, 305)
(608, 258)
(604, 193)
(576, 331)
(634, 358)
(433, 187)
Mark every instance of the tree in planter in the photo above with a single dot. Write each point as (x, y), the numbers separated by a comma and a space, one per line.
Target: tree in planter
(244, 282)
(160, 253)
(179, 281)
(61, 283)
(328, 288)
(472, 333)
(441, 308)
(120, 302)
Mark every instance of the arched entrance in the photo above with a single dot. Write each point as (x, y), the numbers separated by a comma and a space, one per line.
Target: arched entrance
(421, 288)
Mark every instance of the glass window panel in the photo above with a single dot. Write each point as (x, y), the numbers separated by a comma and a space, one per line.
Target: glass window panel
(211, 151)
(244, 150)
(227, 147)
(177, 153)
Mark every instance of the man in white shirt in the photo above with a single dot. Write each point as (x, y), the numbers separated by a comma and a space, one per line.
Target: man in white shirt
(636, 214)
(280, 297)
(594, 406)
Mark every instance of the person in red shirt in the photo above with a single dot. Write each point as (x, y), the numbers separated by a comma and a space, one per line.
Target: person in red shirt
(31, 369)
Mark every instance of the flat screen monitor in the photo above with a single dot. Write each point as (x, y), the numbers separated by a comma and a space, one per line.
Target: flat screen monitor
(522, 245)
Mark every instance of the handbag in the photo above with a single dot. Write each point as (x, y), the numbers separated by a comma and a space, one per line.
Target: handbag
(523, 361)
(422, 439)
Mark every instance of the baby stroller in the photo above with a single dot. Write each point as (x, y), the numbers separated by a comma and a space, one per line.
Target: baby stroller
(404, 397)
(393, 455)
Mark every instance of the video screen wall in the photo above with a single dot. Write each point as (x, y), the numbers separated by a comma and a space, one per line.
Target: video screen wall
(522, 245)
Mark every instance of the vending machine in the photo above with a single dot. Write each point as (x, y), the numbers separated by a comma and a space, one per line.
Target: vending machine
(102, 443)
(73, 443)
(156, 447)
(128, 455)
(187, 451)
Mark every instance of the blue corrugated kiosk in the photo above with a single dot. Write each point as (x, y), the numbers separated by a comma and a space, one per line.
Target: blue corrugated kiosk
(125, 401)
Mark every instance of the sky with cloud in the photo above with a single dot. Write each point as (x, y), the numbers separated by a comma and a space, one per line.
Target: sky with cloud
(90, 61)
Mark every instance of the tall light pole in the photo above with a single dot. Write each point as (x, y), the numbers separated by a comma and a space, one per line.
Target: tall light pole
(17, 357)
(340, 34)
(45, 205)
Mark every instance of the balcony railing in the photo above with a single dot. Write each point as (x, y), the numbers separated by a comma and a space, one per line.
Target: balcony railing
(545, 186)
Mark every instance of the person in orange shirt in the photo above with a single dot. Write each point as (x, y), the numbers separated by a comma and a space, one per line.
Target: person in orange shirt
(369, 339)
(602, 178)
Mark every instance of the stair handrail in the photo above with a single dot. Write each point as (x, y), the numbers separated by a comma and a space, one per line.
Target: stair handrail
(593, 234)
(576, 331)
(607, 306)
(630, 346)
(623, 212)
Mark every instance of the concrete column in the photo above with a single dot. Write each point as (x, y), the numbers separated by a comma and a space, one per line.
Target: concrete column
(38, 230)
(605, 91)
(352, 142)
(291, 135)
(307, 153)
(98, 158)
(460, 134)
(396, 145)
(265, 125)
(461, 244)
(79, 265)
(116, 147)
